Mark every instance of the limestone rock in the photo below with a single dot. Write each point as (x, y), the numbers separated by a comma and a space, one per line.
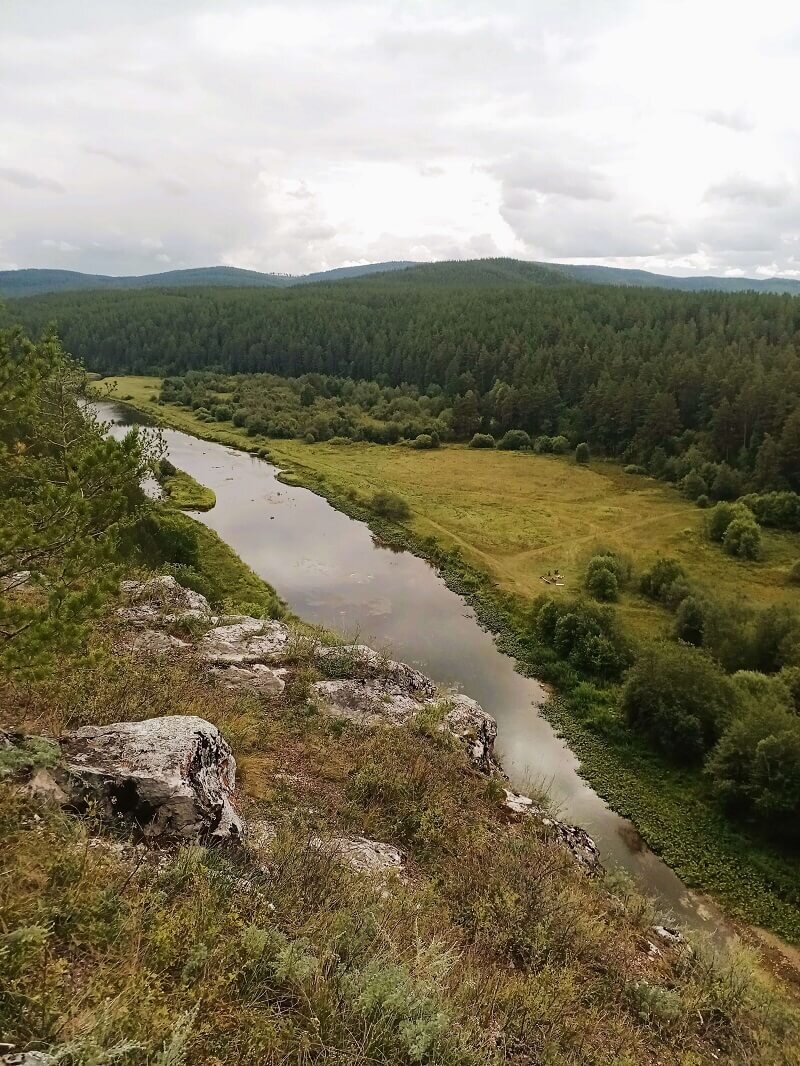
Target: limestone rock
(26, 1058)
(174, 776)
(161, 600)
(571, 837)
(156, 643)
(365, 855)
(258, 678)
(242, 643)
(359, 661)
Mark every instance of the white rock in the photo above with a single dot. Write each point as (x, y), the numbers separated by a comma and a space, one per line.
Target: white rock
(364, 855)
(258, 678)
(357, 660)
(571, 837)
(161, 600)
(155, 642)
(243, 643)
(174, 776)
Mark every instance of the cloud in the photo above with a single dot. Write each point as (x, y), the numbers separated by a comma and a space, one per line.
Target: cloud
(24, 179)
(742, 190)
(738, 121)
(296, 135)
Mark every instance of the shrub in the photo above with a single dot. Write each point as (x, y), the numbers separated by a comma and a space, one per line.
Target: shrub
(310, 438)
(425, 441)
(702, 501)
(690, 621)
(222, 413)
(543, 445)
(166, 468)
(602, 583)
(582, 453)
(634, 468)
(693, 485)
(340, 440)
(584, 635)
(727, 483)
(559, 445)
(390, 505)
(482, 440)
(657, 581)
(794, 573)
(514, 440)
(722, 516)
(742, 539)
(755, 767)
(678, 698)
(779, 510)
(239, 417)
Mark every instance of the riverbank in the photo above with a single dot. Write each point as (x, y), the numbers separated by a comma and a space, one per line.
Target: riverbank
(184, 492)
(673, 813)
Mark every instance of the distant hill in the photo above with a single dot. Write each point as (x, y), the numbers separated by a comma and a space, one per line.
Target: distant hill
(33, 282)
(468, 273)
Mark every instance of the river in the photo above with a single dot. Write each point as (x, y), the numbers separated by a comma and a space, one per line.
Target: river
(330, 571)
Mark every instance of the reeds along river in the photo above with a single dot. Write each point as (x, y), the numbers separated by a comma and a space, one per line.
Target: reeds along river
(330, 571)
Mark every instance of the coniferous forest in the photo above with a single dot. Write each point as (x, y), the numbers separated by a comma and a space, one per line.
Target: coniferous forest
(674, 381)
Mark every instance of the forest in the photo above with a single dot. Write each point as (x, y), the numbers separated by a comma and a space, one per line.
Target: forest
(675, 382)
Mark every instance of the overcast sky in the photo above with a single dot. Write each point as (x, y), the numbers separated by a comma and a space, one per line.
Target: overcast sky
(144, 135)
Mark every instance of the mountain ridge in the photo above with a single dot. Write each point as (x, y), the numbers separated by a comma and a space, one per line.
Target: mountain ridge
(493, 272)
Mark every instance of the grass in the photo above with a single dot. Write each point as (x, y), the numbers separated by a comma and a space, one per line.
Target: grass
(494, 522)
(517, 515)
(493, 950)
(186, 492)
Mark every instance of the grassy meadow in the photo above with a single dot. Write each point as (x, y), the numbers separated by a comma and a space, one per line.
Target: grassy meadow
(517, 515)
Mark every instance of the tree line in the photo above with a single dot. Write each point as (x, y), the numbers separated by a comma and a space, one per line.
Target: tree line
(675, 382)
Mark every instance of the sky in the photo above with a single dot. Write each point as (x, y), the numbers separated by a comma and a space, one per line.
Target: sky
(304, 135)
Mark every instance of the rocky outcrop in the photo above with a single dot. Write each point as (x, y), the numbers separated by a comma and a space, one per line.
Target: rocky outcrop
(24, 1058)
(257, 678)
(172, 777)
(572, 838)
(243, 642)
(160, 601)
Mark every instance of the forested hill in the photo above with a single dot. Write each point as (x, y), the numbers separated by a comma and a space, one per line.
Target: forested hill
(471, 272)
(15, 283)
(643, 373)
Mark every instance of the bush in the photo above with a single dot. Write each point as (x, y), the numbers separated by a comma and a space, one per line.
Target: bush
(340, 440)
(390, 505)
(794, 573)
(166, 468)
(482, 440)
(602, 583)
(727, 483)
(778, 510)
(722, 516)
(425, 441)
(755, 767)
(679, 699)
(239, 417)
(742, 539)
(690, 621)
(222, 413)
(633, 468)
(657, 582)
(514, 440)
(582, 453)
(543, 445)
(559, 445)
(693, 485)
(584, 635)
(702, 501)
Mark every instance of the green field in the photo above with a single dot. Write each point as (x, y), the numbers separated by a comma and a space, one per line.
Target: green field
(516, 515)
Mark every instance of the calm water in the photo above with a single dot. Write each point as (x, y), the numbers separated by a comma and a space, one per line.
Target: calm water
(329, 570)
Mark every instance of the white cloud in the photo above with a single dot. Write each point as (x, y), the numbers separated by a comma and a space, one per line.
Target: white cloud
(301, 135)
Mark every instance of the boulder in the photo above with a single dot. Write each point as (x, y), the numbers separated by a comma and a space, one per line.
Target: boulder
(359, 661)
(155, 642)
(257, 678)
(161, 600)
(247, 641)
(364, 855)
(173, 776)
(386, 702)
(25, 1058)
(572, 838)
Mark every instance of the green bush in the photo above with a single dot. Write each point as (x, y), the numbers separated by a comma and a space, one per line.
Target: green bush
(586, 636)
(559, 445)
(722, 516)
(543, 445)
(693, 485)
(690, 621)
(656, 583)
(482, 440)
(679, 699)
(582, 453)
(222, 413)
(514, 440)
(778, 510)
(702, 501)
(755, 767)
(390, 505)
(634, 468)
(602, 583)
(425, 441)
(742, 539)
